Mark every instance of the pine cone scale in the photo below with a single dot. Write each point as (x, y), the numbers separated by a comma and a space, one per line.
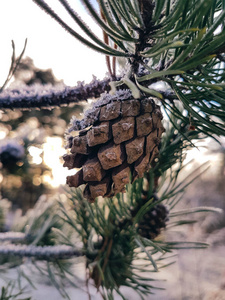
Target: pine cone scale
(123, 130)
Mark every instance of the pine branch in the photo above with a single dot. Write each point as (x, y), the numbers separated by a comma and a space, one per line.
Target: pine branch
(41, 253)
(103, 49)
(38, 96)
(12, 236)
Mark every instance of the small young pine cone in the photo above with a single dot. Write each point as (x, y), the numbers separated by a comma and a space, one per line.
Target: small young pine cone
(153, 221)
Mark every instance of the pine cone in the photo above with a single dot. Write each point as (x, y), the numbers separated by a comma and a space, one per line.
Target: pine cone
(117, 139)
(153, 221)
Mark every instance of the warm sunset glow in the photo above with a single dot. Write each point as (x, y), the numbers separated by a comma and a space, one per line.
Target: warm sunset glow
(53, 151)
(35, 153)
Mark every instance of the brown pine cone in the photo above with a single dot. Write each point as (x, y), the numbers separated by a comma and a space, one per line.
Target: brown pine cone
(153, 221)
(116, 141)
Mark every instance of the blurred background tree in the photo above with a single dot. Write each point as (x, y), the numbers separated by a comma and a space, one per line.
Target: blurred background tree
(23, 169)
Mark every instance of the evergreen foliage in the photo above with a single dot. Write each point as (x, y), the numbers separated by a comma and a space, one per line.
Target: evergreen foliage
(8, 292)
(174, 52)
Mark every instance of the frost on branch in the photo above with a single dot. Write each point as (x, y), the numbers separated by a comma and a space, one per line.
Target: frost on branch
(48, 96)
(12, 236)
(39, 252)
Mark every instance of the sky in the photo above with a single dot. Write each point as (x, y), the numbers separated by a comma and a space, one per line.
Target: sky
(49, 45)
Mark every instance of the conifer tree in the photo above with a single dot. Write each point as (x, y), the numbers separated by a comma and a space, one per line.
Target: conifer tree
(130, 146)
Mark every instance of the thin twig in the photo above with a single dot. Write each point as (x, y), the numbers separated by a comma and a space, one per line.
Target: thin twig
(105, 261)
(106, 40)
(114, 63)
